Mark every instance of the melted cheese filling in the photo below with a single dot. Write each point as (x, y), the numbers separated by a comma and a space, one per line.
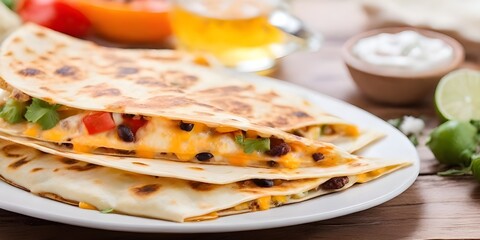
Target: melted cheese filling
(162, 135)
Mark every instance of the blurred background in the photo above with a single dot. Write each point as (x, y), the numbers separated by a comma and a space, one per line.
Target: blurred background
(173, 24)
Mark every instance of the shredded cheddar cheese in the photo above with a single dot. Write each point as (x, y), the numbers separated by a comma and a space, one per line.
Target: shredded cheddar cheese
(33, 130)
(225, 129)
(264, 203)
(85, 205)
(53, 135)
(289, 161)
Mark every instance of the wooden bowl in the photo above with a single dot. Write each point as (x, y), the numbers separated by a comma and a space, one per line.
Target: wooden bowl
(398, 87)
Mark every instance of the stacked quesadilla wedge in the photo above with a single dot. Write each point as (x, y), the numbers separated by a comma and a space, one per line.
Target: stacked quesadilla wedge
(157, 130)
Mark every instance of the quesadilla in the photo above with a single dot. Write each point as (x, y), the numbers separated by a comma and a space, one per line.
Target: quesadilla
(214, 174)
(145, 103)
(105, 189)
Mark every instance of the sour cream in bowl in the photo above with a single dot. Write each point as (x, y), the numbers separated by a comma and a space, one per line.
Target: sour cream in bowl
(400, 65)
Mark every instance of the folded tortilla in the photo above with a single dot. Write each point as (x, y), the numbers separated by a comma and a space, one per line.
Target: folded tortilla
(91, 186)
(215, 174)
(157, 106)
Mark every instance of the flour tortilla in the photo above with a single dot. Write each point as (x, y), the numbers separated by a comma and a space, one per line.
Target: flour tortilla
(215, 174)
(152, 83)
(103, 188)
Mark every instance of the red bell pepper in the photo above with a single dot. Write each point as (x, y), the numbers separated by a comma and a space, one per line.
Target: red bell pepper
(98, 122)
(54, 14)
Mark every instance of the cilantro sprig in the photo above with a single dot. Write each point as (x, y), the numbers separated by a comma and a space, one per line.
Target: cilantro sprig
(13, 111)
(43, 113)
(253, 144)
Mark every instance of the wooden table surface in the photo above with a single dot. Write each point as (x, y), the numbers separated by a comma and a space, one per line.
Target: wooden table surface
(434, 207)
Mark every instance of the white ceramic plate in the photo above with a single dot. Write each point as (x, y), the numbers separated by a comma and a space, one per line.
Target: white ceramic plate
(357, 198)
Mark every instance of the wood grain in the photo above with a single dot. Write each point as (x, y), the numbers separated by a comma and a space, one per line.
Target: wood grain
(434, 207)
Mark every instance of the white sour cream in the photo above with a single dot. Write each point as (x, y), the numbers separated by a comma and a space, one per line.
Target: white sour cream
(406, 50)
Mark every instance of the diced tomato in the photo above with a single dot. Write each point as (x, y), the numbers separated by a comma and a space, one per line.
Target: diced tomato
(55, 14)
(134, 122)
(98, 122)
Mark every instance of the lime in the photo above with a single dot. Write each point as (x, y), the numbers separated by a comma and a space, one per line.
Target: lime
(453, 142)
(458, 95)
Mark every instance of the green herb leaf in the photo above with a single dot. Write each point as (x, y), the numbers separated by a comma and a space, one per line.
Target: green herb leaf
(108, 210)
(9, 3)
(413, 138)
(396, 122)
(260, 144)
(253, 144)
(456, 172)
(239, 139)
(13, 111)
(43, 113)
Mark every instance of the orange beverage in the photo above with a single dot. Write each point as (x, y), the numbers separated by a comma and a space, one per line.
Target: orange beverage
(236, 32)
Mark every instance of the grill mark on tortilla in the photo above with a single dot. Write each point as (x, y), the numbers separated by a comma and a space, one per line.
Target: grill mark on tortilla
(36, 170)
(28, 50)
(150, 81)
(178, 79)
(100, 90)
(226, 90)
(51, 91)
(17, 40)
(30, 72)
(146, 190)
(40, 34)
(196, 168)
(66, 71)
(68, 161)
(19, 163)
(301, 114)
(167, 102)
(9, 53)
(125, 71)
(83, 168)
(203, 187)
(234, 106)
(106, 92)
(161, 58)
(8, 148)
(280, 121)
(116, 107)
(140, 164)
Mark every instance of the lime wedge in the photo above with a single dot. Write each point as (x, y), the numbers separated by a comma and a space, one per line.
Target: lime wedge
(457, 96)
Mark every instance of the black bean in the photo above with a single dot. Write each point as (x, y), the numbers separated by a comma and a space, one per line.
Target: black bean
(204, 156)
(67, 145)
(125, 133)
(272, 164)
(128, 115)
(335, 183)
(186, 126)
(266, 183)
(278, 148)
(318, 156)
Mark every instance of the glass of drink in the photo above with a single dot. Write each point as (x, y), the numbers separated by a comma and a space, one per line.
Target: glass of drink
(246, 35)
